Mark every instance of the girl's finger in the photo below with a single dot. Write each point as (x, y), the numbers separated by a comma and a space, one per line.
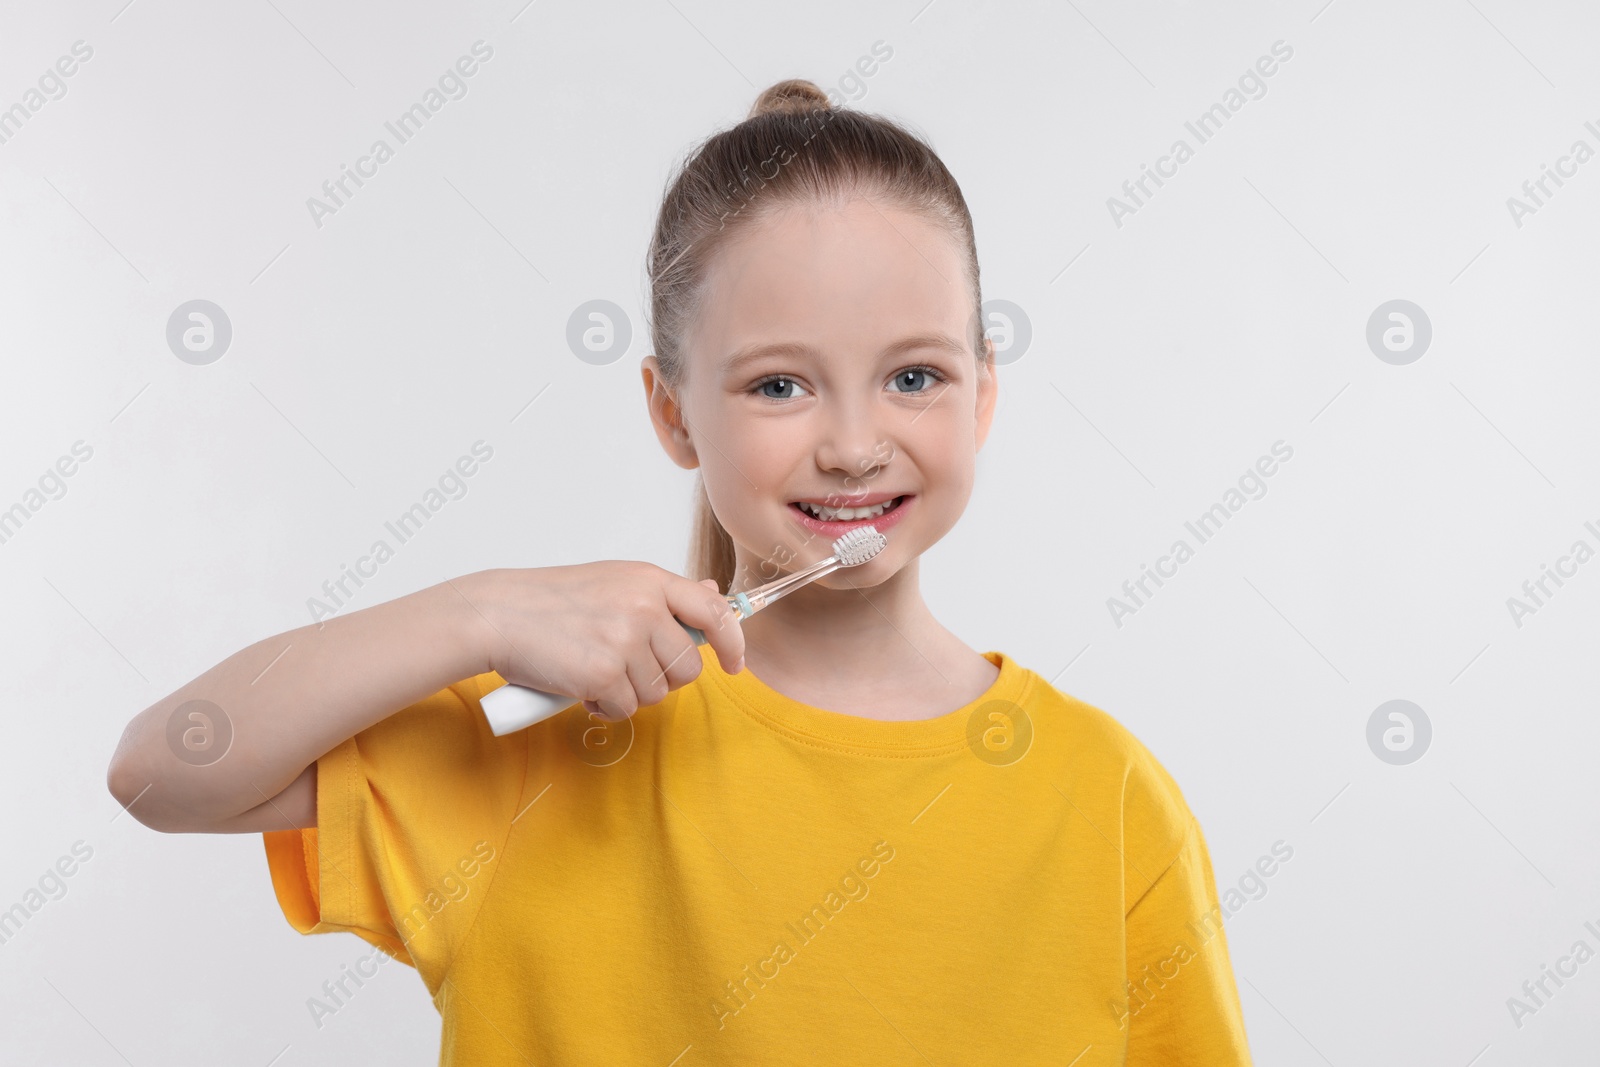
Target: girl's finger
(677, 654)
(708, 612)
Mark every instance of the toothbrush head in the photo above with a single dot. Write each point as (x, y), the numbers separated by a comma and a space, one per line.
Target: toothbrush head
(858, 546)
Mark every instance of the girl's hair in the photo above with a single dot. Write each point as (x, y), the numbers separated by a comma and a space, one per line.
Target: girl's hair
(793, 147)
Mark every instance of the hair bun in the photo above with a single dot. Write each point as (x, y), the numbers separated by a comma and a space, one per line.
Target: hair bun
(793, 95)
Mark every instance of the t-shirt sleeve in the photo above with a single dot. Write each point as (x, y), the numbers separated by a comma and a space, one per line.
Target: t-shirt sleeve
(413, 814)
(1182, 1006)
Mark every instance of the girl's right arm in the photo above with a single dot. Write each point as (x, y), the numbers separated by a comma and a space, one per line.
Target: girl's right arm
(603, 631)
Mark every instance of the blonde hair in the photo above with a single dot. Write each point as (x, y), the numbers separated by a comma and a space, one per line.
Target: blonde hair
(792, 147)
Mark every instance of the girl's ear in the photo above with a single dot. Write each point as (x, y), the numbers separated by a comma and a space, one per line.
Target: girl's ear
(988, 391)
(667, 416)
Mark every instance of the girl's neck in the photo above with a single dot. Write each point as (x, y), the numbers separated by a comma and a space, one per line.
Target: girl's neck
(878, 647)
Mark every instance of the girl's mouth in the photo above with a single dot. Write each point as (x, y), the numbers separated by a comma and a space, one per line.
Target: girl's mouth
(880, 516)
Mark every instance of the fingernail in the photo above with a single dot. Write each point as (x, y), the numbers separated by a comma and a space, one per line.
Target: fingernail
(739, 666)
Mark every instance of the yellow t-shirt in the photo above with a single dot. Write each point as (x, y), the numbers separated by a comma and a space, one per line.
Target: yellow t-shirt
(733, 877)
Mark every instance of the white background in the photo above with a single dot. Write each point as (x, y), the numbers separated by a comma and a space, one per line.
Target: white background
(1167, 354)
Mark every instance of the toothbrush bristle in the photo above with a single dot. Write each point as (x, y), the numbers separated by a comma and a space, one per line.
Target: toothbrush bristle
(859, 545)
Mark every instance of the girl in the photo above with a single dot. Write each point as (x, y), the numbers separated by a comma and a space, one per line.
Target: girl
(835, 833)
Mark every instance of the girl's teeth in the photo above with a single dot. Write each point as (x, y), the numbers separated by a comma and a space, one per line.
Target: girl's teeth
(846, 514)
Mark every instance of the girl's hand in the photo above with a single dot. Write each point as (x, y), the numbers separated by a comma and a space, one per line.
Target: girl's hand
(603, 632)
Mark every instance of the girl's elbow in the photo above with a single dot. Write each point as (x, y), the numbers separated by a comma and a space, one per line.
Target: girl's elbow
(133, 791)
(129, 788)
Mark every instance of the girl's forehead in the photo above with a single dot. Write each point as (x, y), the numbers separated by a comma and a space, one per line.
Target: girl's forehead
(817, 227)
(846, 269)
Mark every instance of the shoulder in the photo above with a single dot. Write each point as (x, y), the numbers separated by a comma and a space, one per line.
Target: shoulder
(1097, 741)
(1101, 764)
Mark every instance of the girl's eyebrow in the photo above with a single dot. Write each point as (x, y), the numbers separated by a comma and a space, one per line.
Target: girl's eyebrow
(751, 353)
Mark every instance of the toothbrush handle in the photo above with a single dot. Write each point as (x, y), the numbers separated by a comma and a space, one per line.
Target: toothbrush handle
(517, 707)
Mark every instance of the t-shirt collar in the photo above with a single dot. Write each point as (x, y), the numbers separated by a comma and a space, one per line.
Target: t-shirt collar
(866, 736)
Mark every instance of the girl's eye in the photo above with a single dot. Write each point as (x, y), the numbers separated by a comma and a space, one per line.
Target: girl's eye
(915, 378)
(914, 375)
(776, 379)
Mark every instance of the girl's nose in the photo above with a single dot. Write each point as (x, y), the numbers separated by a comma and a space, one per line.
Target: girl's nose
(857, 446)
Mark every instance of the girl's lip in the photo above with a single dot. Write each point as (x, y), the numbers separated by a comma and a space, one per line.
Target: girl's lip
(833, 530)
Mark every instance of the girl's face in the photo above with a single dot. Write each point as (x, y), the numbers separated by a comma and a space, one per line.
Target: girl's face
(831, 363)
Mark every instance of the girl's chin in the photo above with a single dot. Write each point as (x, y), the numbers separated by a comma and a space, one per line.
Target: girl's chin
(764, 569)
(874, 572)
(862, 577)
